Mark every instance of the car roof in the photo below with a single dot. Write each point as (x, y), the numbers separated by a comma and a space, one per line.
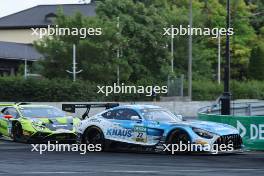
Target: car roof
(3, 106)
(35, 106)
(138, 106)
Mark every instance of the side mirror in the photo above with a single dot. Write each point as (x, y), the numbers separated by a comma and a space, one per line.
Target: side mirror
(8, 117)
(135, 118)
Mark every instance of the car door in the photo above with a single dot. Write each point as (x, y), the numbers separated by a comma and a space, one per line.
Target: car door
(154, 132)
(5, 124)
(130, 119)
(122, 126)
(2, 123)
(155, 129)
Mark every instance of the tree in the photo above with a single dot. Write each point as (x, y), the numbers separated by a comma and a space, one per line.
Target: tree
(95, 54)
(144, 50)
(256, 65)
(242, 41)
(142, 27)
(257, 15)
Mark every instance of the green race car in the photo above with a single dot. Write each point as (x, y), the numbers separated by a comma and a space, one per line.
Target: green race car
(24, 122)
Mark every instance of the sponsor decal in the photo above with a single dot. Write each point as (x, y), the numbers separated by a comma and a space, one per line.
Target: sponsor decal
(241, 128)
(119, 132)
(255, 131)
(95, 120)
(140, 134)
(140, 129)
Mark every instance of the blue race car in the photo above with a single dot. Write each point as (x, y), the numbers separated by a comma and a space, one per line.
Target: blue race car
(152, 128)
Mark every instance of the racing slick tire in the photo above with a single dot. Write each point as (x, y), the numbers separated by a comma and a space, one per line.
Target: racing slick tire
(17, 132)
(95, 136)
(179, 137)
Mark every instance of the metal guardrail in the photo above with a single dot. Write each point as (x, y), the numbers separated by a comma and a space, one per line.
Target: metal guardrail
(237, 109)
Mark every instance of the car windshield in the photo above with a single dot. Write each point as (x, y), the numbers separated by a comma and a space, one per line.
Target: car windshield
(159, 115)
(42, 112)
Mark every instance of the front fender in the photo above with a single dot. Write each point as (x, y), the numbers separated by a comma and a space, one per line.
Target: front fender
(186, 129)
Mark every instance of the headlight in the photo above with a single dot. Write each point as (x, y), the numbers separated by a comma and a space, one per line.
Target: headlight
(38, 126)
(203, 133)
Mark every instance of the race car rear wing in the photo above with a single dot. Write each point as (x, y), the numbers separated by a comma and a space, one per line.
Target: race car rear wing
(72, 107)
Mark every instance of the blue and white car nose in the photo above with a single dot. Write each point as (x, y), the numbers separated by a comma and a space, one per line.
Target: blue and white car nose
(217, 128)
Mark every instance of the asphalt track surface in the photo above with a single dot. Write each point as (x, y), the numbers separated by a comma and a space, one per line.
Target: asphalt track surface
(17, 159)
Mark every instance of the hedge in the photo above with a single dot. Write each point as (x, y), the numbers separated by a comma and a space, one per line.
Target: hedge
(16, 89)
(208, 90)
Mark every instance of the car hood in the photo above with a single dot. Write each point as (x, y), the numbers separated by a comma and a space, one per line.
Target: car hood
(54, 124)
(56, 120)
(214, 127)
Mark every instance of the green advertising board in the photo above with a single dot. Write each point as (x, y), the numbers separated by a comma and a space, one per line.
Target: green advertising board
(251, 128)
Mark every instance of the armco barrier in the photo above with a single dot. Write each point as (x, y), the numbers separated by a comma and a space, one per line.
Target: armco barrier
(251, 128)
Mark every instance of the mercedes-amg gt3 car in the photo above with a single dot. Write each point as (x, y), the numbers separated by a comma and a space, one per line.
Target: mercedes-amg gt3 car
(154, 128)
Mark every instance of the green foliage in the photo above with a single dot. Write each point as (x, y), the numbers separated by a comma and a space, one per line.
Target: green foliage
(248, 90)
(145, 56)
(142, 27)
(143, 47)
(57, 90)
(256, 65)
(257, 13)
(18, 89)
(242, 41)
(207, 90)
(94, 54)
(60, 90)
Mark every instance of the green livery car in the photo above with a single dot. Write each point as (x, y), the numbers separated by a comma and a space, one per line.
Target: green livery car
(29, 123)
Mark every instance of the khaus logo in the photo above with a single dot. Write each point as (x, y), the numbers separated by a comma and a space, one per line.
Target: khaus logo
(119, 132)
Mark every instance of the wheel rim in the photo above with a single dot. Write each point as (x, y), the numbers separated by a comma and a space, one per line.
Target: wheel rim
(180, 138)
(93, 139)
(184, 138)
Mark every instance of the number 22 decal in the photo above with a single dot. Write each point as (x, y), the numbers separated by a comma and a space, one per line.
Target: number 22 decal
(140, 135)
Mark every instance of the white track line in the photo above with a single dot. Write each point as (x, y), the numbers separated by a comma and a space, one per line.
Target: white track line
(145, 171)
